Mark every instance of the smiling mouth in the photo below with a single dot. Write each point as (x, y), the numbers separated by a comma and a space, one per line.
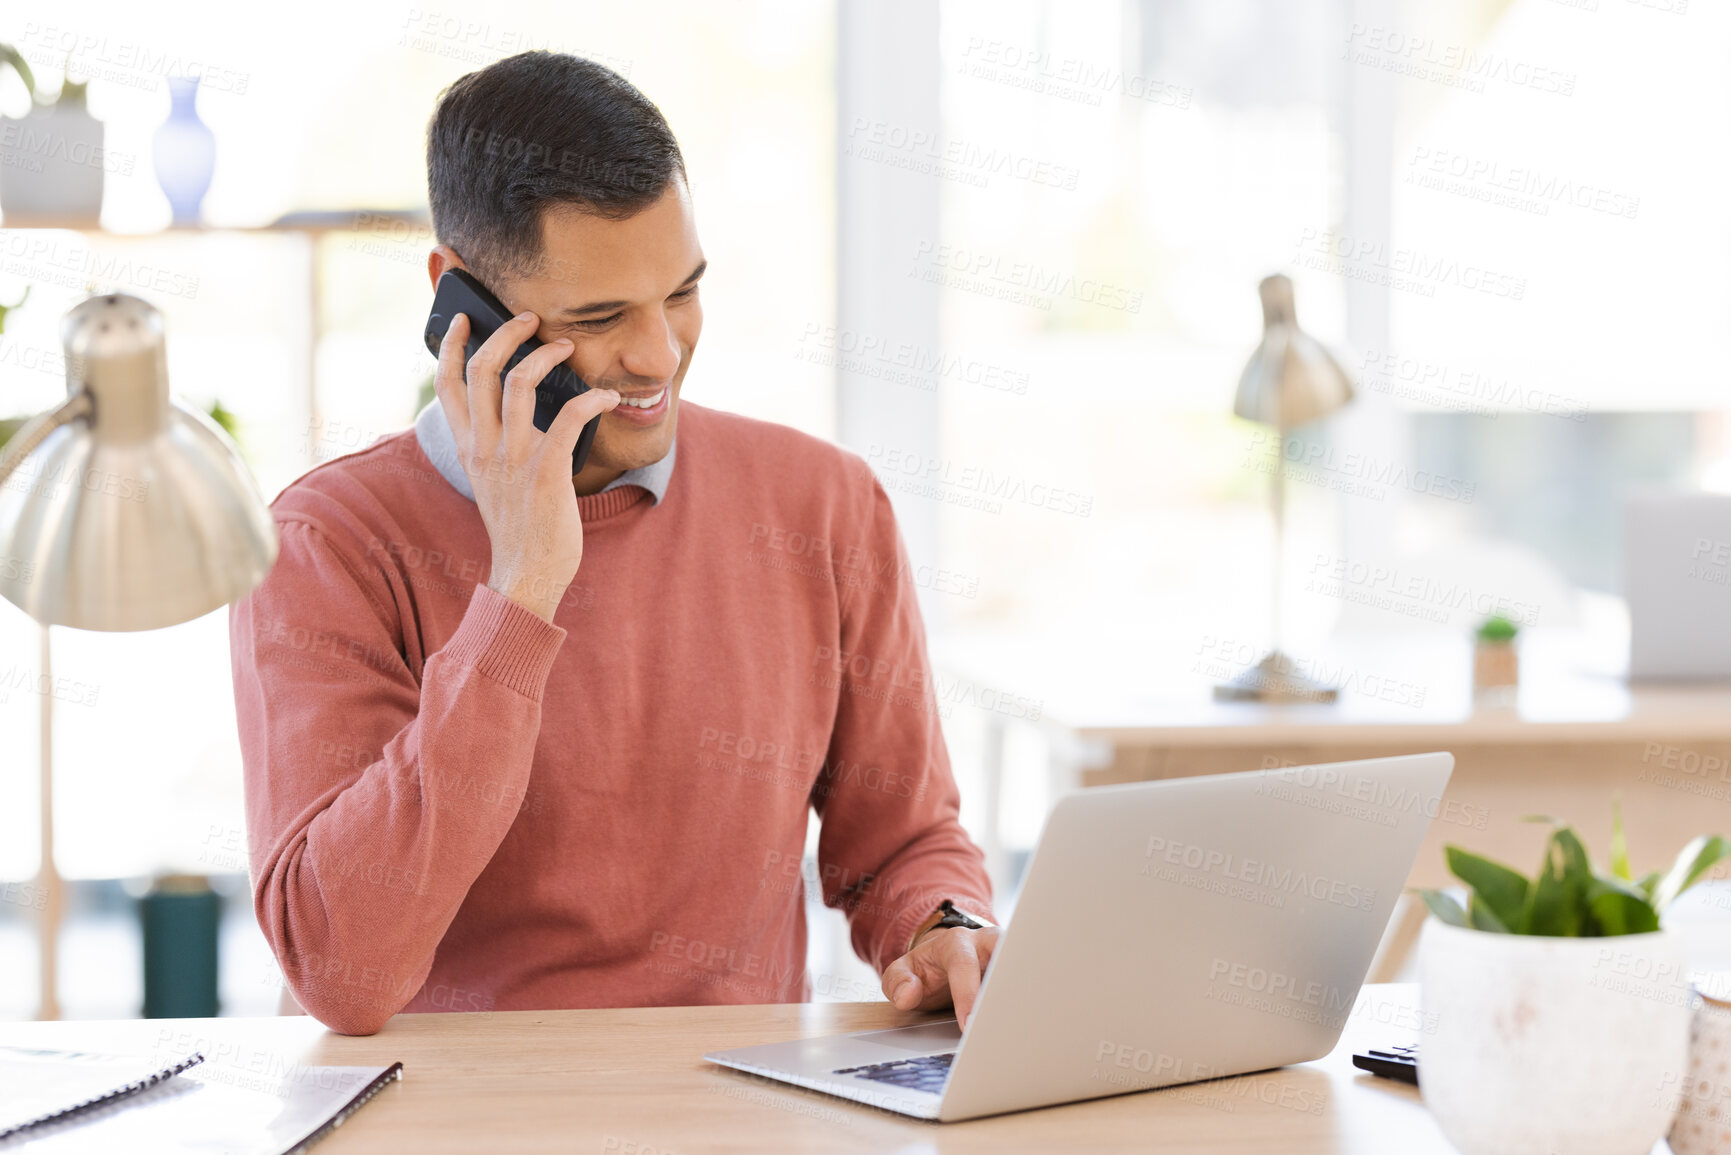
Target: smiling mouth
(648, 401)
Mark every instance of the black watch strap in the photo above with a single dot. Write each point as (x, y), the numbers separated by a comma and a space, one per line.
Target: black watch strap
(953, 915)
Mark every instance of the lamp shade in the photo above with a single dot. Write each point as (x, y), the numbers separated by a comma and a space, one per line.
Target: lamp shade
(1291, 379)
(123, 509)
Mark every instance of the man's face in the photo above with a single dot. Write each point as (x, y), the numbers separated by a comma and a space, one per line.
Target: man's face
(624, 293)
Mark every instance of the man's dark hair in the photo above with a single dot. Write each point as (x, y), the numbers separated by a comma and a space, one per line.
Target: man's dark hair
(535, 130)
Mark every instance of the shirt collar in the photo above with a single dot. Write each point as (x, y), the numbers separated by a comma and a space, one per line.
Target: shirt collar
(440, 446)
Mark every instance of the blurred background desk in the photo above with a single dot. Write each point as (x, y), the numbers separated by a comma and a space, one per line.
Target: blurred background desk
(1577, 736)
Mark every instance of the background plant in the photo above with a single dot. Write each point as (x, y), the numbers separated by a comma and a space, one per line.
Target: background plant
(1497, 628)
(1568, 897)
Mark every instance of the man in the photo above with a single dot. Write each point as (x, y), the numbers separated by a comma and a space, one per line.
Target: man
(518, 739)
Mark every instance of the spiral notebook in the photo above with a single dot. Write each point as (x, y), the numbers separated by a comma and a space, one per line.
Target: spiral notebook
(67, 1101)
(39, 1086)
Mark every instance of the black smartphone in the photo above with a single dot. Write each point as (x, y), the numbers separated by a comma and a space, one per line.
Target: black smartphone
(460, 292)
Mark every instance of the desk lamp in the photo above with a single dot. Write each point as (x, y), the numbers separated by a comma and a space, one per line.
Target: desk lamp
(1291, 380)
(120, 509)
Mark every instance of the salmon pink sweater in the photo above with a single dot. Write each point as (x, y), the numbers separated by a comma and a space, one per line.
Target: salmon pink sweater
(454, 805)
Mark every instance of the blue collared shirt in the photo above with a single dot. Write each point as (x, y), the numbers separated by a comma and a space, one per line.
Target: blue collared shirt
(440, 446)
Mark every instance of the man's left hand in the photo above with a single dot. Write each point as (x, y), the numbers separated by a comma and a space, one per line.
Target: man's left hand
(945, 966)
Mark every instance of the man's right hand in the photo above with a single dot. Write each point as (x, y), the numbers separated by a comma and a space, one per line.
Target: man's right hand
(520, 475)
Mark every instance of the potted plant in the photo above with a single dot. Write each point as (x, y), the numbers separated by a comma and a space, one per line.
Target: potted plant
(51, 158)
(1496, 663)
(1561, 1007)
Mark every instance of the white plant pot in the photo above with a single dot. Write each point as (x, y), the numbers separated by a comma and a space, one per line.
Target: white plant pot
(51, 166)
(1570, 1046)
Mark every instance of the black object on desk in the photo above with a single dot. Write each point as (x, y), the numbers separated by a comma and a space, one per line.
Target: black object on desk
(1395, 1063)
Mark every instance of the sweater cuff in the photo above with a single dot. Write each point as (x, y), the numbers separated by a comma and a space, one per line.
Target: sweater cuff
(506, 642)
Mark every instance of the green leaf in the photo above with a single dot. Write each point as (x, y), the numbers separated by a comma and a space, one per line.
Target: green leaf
(1620, 908)
(1502, 890)
(1649, 884)
(225, 419)
(11, 56)
(1480, 915)
(1443, 906)
(1703, 853)
(4, 309)
(1497, 628)
(1619, 843)
(1557, 900)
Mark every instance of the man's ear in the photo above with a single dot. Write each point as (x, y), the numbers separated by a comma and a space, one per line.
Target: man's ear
(440, 261)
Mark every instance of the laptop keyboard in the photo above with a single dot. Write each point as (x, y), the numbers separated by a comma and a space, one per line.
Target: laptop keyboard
(920, 1073)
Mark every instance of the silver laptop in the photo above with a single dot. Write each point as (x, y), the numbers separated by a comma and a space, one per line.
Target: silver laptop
(1168, 932)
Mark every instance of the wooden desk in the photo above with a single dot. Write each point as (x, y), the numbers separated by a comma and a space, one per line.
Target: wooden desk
(632, 1082)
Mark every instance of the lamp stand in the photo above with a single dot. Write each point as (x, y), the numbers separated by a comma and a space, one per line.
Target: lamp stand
(48, 883)
(1276, 677)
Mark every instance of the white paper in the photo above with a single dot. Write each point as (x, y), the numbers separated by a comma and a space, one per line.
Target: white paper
(209, 1109)
(34, 1083)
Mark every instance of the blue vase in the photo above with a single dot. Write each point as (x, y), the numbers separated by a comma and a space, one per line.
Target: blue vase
(185, 152)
